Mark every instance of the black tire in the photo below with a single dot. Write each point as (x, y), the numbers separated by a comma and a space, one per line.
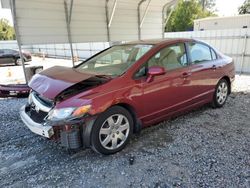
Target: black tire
(96, 144)
(217, 101)
(18, 61)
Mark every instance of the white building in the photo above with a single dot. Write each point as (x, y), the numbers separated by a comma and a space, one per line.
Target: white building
(216, 23)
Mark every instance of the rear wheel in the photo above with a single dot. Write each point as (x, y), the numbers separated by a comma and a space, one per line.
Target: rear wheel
(220, 94)
(18, 61)
(111, 130)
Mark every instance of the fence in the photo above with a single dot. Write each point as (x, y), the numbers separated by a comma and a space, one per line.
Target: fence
(81, 50)
(232, 42)
(12, 44)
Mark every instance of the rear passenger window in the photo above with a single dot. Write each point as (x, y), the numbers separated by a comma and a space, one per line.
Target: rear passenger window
(171, 57)
(199, 52)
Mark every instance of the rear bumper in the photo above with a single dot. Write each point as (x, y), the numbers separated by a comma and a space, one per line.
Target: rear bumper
(14, 90)
(40, 129)
(27, 58)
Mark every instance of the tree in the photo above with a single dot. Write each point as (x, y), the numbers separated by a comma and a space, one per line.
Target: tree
(245, 8)
(207, 4)
(183, 16)
(6, 31)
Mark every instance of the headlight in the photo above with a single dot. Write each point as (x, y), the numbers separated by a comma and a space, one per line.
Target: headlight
(63, 113)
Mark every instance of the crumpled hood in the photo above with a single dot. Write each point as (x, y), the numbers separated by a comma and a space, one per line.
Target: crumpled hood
(51, 82)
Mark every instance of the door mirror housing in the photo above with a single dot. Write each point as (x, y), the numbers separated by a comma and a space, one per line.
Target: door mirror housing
(155, 71)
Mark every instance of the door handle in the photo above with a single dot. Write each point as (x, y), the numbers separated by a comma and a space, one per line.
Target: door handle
(186, 74)
(214, 67)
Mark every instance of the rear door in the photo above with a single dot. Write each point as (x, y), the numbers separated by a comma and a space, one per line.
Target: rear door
(3, 59)
(203, 70)
(7, 56)
(166, 93)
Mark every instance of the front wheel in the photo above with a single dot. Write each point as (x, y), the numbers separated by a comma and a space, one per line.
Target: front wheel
(111, 130)
(220, 94)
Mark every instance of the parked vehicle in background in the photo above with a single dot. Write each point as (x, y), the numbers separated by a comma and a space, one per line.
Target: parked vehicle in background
(14, 90)
(115, 93)
(9, 56)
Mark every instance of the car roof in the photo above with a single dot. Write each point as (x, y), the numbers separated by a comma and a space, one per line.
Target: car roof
(160, 41)
(7, 49)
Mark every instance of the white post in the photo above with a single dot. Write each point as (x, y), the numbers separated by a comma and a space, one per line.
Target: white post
(13, 12)
(243, 52)
(68, 21)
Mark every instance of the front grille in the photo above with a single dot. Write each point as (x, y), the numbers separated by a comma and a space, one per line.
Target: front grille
(38, 107)
(36, 116)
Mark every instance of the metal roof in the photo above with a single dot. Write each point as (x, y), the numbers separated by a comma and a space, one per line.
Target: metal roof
(75, 21)
(61, 21)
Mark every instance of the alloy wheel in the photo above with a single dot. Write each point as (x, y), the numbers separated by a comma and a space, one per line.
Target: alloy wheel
(222, 92)
(114, 131)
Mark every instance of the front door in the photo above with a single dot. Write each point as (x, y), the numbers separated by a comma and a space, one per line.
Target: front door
(167, 93)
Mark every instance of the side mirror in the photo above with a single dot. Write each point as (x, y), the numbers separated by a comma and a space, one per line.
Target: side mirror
(155, 71)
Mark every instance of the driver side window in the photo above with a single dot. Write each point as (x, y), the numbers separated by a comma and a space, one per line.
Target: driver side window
(171, 57)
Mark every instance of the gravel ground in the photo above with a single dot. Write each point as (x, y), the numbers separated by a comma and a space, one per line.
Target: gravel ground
(205, 148)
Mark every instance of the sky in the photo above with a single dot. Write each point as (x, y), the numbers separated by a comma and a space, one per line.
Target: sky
(5, 13)
(228, 7)
(223, 7)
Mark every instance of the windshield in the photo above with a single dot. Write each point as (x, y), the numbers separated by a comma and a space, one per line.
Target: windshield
(114, 61)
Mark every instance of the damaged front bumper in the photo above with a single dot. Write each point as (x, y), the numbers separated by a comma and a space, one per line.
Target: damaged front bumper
(37, 128)
(72, 133)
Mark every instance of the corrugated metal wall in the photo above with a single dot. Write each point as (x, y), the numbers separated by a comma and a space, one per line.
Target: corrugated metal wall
(232, 42)
(88, 22)
(124, 23)
(152, 26)
(41, 21)
(44, 21)
(81, 50)
(231, 22)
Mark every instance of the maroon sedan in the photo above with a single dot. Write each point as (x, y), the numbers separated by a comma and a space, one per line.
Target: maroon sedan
(123, 89)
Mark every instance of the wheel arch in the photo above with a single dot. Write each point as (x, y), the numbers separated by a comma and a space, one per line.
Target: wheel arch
(228, 81)
(87, 129)
(132, 111)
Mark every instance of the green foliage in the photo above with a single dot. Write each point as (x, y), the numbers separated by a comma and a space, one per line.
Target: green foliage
(183, 16)
(6, 31)
(245, 8)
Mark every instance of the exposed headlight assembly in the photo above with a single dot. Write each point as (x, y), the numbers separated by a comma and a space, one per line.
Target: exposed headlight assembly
(64, 113)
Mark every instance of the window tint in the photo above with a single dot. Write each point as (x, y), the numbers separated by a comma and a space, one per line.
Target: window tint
(214, 56)
(199, 52)
(171, 57)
